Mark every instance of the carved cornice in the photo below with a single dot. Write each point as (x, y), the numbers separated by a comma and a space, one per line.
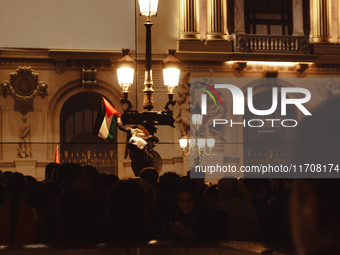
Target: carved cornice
(36, 63)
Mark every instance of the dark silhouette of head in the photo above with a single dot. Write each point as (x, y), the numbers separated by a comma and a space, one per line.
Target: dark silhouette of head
(187, 195)
(16, 185)
(168, 185)
(211, 195)
(149, 177)
(95, 180)
(6, 175)
(169, 174)
(108, 180)
(49, 171)
(73, 176)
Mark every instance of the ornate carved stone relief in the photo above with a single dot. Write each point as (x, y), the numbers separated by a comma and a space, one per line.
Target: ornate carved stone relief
(24, 86)
(88, 78)
(60, 67)
(239, 68)
(183, 114)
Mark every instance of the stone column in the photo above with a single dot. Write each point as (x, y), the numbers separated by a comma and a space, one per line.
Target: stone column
(322, 21)
(189, 20)
(335, 21)
(311, 18)
(217, 20)
(239, 17)
(338, 22)
(203, 19)
(297, 18)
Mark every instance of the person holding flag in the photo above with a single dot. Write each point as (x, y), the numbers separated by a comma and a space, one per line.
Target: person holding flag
(140, 146)
(140, 142)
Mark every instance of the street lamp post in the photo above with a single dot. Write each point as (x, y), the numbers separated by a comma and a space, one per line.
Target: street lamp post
(148, 103)
(148, 118)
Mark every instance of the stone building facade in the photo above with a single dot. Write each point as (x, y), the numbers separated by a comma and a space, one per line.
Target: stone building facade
(59, 90)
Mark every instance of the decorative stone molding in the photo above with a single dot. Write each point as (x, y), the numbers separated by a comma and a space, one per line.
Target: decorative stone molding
(33, 63)
(88, 79)
(271, 74)
(272, 44)
(24, 87)
(239, 68)
(301, 70)
(252, 68)
(60, 67)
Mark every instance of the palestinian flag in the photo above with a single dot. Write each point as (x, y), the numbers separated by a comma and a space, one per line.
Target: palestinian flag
(106, 123)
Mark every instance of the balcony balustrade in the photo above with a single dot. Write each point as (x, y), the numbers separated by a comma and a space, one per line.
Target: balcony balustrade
(272, 44)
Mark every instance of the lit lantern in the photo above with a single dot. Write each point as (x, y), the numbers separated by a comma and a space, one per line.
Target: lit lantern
(148, 7)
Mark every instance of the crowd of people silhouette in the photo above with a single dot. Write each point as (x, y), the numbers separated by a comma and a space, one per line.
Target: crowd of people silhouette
(77, 204)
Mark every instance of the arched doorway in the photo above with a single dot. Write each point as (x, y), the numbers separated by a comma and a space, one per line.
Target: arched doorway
(272, 143)
(77, 144)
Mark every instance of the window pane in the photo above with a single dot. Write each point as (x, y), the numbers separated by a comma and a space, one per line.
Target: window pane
(88, 120)
(261, 29)
(275, 5)
(78, 122)
(275, 29)
(69, 129)
(95, 113)
(268, 16)
(261, 5)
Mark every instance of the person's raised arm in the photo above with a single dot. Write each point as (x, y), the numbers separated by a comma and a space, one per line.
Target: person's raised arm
(120, 124)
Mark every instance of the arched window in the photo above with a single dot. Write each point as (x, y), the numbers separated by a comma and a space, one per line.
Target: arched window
(78, 145)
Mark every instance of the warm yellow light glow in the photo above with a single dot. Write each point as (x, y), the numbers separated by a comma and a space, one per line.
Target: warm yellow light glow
(148, 7)
(125, 77)
(270, 63)
(35, 246)
(183, 142)
(171, 78)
